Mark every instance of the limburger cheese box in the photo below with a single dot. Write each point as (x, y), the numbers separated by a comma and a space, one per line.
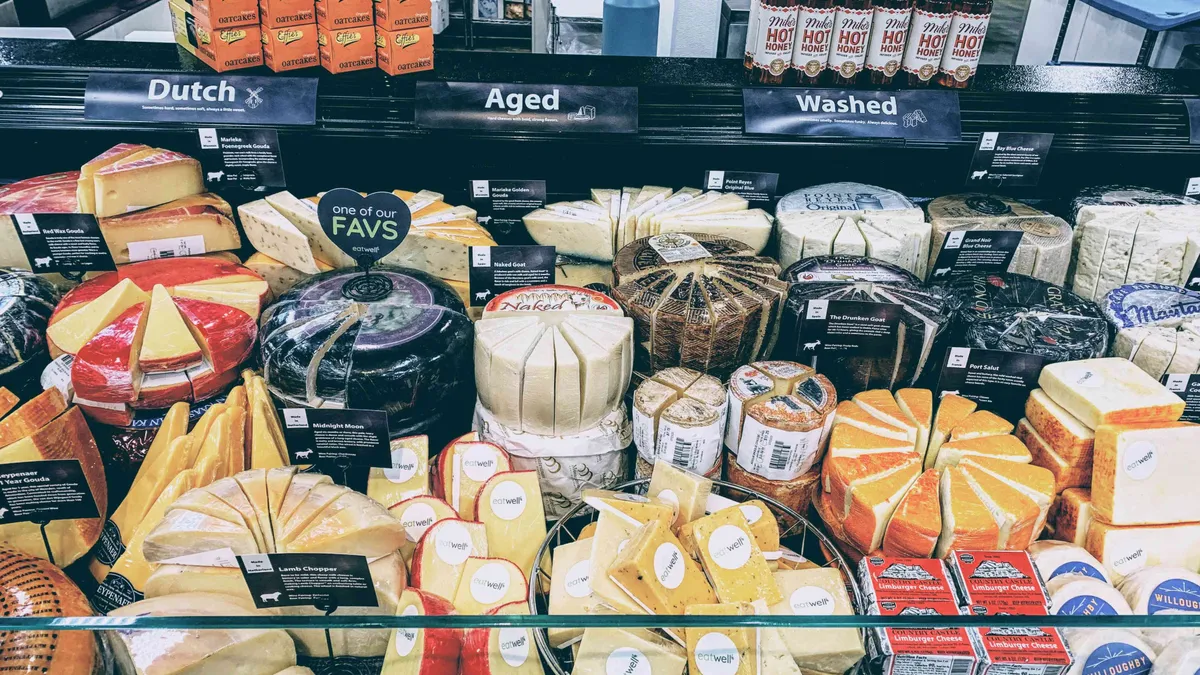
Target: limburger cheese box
(222, 49)
(403, 14)
(339, 14)
(226, 13)
(290, 48)
(404, 51)
(280, 13)
(346, 49)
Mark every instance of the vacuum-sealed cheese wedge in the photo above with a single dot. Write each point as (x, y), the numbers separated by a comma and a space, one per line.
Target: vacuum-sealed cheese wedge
(1062, 431)
(1144, 474)
(629, 650)
(501, 651)
(655, 571)
(1073, 515)
(422, 651)
(571, 588)
(463, 468)
(408, 476)
(441, 555)
(732, 559)
(686, 491)
(488, 583)
(417, 514)
(510, 508)
(818, 592)
(736, 649)
(1127, 549)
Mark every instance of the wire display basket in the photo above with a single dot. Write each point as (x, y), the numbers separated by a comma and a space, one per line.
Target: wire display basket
(796, 533)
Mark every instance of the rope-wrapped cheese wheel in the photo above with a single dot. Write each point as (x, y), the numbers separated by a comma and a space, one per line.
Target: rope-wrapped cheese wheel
(33, 587)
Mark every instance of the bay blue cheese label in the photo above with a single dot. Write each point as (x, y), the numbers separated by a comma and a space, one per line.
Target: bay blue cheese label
(1009, 159)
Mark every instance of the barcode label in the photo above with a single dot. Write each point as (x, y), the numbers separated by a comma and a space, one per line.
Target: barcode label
(696, 449)
(683, 453)
(777, 454)
(780, 452)
(166, 248)
(961, 667)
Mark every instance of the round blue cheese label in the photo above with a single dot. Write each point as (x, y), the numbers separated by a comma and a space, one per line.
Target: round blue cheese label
(1086, 605)
(1174, 595)
(1117, 658)
(1077, 567)
(1150, 304)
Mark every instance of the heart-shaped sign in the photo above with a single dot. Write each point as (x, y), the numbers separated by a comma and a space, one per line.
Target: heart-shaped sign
(365, 228)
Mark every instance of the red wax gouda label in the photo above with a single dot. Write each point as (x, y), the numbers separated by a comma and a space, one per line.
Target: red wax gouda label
(994, 582)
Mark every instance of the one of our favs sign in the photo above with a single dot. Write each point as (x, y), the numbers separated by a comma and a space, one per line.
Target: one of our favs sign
(201, 99)
(917, 115)
(527, 107)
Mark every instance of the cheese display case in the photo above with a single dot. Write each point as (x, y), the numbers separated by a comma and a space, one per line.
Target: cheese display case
(647, 463)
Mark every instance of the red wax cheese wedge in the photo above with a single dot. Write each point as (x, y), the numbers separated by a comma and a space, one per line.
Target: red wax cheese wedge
(105, 369)
(423, 651)
(225, 334)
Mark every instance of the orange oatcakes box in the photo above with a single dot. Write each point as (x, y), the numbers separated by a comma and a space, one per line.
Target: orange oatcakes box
(404, 51)
(226, 13)
(403, 14)
(280, 13)
(290, 48)
(345, 13)
(222, 49)
(346, 49)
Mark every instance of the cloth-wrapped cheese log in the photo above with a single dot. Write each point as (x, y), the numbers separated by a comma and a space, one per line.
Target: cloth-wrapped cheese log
(852, 219)
(1157, 326)
(396, 340)
(679, 416)
(1045, 249)
(699, 301)
(924, 316)
(1126, 234)
(1015, 312)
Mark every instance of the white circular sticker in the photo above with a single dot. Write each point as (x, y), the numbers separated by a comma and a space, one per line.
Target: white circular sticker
(811, 601)
(621, 546)
(751, 512)
(490, 583)
(508, 500)
(627, 661)
(669, 497)
(729, 547)
(453, 544)
(1129, 563)
(404, 466)
(579, 579)
(406, 638)
(717, 655)
(1140, 460)
(668, 565)
(416, 519)
(514, 646)
(479, 462)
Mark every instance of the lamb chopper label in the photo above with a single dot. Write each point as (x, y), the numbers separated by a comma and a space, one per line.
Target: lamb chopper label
(326, 581)
(366, 228)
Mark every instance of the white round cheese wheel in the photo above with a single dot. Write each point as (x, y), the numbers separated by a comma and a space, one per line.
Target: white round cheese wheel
(1058, 558)
(1073, 595)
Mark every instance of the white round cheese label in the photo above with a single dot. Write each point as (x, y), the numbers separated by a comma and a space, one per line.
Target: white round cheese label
(1130, 562)
(669, 497)
(579, 579)
(752, 513)
(490, 583)
(404, 466)
(416, 519)
(729, 547)
(453, 544)
(668, 565)
(514, 646)
(406, 638)
(508, 500)
(627, 661)
(621, 546)
(479, 462)
(811, 601)
(1140, 460)
(717, 655)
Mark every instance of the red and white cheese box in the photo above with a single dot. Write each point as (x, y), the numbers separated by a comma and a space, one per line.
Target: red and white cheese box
(1006, 582)
(915, 587)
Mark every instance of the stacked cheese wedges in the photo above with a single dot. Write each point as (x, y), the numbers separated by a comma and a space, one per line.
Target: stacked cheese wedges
(1143, 470)
(34, 588)
(700, 301)
(148, 200)
(157, 332)
(552, 360)
(1125, 235)
(780, 414)
(920, 482)
(45, 429)
(241, 433)
(1158, 328)
(291, 244)
(663, 555)
(1045, 248)
(852, 219)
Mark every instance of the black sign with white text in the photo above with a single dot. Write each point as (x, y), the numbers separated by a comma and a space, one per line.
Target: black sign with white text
(984, 251)
(1009, 159)
(1193, 279)
(42, 491)
(847, 328)
(496, 269)
(1187, 387)
(998, 381)
(326, 581)
(63, 242)
(241, 159)
(755, 186)
(500, 204)
(918, 115)
(200, 99)
(337, 437)
(485, 106)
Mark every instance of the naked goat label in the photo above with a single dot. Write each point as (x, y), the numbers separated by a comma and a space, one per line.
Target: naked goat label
(495, 270)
